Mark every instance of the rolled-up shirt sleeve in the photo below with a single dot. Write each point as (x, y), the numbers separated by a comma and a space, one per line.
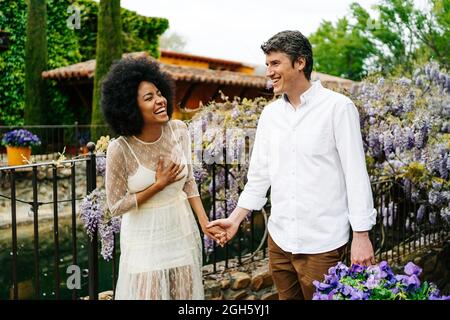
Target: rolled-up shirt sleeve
(253, 197)
(347, 133)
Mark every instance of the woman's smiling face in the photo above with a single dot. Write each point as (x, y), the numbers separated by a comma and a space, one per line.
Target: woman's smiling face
(152, 103)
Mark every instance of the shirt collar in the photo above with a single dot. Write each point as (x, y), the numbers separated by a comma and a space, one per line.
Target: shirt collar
(309, 94)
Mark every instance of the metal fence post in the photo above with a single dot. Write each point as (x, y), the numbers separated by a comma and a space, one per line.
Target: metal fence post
(91, 173)
(77, 139)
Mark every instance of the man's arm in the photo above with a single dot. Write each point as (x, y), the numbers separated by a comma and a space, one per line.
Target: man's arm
(254, 194)
(253, 197)
(362, 215)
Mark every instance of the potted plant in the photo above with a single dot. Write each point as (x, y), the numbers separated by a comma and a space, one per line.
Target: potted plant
(18, 144)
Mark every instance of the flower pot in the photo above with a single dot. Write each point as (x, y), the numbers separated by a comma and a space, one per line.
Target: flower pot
(16, 155)
(84, 150)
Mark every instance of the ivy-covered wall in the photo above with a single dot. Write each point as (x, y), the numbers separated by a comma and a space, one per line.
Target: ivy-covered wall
(65, 46)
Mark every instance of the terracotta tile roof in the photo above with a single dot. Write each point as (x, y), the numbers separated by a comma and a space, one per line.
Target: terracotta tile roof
(81, 70)
(187, 56)
(181, 73)
(326, 78)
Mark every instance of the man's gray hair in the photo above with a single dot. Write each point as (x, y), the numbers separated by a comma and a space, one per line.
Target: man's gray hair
(295, 45)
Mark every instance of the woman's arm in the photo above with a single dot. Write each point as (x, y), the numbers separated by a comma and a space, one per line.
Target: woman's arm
(118, 197)
(215, 233)
(190, 186)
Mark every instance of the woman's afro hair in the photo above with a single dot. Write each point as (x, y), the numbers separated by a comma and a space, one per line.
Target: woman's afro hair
(119, 93)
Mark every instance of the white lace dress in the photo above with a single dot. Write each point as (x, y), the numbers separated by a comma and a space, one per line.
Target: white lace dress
(160, 244)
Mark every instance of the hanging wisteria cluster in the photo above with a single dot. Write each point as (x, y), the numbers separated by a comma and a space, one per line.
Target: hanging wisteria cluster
(95, 216)
(100, 162)
(226, 133)
(405, 126)
(94, 211)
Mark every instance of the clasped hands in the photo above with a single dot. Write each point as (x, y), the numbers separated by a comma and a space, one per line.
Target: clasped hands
(221, 230)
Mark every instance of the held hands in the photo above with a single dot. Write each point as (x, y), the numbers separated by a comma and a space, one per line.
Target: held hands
(216, 233)
(230, 226)
(169, 174)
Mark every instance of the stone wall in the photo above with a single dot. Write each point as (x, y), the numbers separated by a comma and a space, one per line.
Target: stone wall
(251, 281)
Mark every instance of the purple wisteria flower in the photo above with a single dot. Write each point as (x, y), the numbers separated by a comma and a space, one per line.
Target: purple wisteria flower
(94, 215)
(235, 113)
(389, 213)
(100, 162)
(92, 211)
(420, 213)
(200, 174)
(107, 231)
(421, 136)
(209, 244)
(445, 214)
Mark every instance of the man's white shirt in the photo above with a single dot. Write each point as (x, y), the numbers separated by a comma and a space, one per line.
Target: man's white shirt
(313, 160)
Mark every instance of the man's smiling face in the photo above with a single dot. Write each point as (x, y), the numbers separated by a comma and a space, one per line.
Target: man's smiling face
(281, 71)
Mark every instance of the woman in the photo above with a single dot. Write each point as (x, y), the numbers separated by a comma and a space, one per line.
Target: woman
(149, 181)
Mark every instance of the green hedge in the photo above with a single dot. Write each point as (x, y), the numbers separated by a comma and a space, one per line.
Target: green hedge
(65, 47)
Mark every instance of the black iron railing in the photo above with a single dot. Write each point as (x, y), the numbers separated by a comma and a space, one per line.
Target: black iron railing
(12, 173)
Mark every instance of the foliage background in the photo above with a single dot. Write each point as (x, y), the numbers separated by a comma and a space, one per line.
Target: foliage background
(398, 38)
(65, 46)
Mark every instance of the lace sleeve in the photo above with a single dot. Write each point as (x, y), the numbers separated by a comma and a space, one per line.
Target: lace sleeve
(190, 187)
(119, 199)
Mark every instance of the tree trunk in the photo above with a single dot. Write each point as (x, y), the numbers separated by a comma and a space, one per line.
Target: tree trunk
(109, 48)
(35, 63)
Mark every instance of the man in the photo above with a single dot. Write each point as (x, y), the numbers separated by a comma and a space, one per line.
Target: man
(308, 149)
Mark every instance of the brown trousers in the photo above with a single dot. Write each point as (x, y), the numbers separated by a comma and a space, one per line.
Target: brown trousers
(293, 274)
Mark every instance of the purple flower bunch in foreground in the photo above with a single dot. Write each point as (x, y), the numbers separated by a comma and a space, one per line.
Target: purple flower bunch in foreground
(20, 138)
(376, 282)
(93, 214)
